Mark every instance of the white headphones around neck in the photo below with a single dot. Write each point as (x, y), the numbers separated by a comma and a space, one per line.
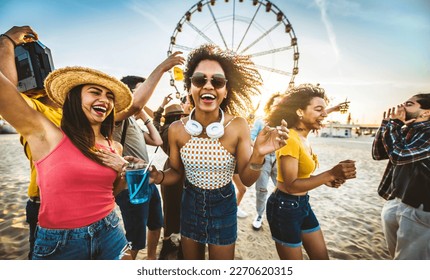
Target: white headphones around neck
(215, 130)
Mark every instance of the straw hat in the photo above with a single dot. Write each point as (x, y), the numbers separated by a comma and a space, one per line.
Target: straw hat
(174, 109)
(59, 82)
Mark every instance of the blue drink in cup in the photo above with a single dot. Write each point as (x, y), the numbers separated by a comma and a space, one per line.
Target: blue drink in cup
(138, 185)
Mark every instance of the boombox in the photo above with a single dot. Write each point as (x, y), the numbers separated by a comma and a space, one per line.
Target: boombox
(33, 63)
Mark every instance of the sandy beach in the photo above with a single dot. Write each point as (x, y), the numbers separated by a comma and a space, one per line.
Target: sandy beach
(349, 216)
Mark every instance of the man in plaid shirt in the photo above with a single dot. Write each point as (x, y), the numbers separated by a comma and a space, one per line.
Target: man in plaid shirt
(404, 139)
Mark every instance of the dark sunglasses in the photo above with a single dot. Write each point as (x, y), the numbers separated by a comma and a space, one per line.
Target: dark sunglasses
(199, 80)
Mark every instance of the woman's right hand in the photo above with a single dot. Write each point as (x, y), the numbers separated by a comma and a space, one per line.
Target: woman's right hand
(344, 170)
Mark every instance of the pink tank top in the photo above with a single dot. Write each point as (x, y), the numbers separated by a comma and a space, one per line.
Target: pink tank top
(74, 190)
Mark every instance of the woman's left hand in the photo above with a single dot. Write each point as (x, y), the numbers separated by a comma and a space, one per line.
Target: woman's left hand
(271, 139)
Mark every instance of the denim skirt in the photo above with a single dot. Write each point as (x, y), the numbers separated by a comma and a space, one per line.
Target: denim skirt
(102, 240)
(209, 216)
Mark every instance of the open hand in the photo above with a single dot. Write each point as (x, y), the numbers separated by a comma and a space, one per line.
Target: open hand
(271, 139)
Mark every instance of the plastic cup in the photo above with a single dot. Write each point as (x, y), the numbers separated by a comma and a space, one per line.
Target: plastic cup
(138, 185)
(178, 73)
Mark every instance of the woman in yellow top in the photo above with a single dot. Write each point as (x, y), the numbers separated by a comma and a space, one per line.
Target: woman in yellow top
(290, 216)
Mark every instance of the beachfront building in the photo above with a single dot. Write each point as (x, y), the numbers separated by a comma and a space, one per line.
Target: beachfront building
(339, 130)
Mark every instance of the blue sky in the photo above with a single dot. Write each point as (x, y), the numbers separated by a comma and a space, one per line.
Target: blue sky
(375, 53)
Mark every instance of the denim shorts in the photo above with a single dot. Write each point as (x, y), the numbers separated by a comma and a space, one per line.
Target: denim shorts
(290, 216)
(209, 216)
(102, 240)
(137, 217)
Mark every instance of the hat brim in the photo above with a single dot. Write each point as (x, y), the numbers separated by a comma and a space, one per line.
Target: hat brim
(59, 83)
(174, 113)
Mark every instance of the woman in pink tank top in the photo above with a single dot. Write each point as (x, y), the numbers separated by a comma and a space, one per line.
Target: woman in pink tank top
(77, 218)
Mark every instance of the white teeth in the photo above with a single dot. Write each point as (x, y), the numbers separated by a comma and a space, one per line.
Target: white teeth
(99, 108)
(207, 95)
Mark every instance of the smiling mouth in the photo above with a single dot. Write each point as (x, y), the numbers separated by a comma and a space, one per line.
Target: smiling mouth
(208, 97)
(99, 109)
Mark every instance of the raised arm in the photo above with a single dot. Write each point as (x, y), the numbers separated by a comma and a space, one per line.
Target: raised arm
(41, 134)
(146, 89)
(152, 138)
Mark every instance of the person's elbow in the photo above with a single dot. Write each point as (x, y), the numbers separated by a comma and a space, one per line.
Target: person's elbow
(158, 142)
(135, 108)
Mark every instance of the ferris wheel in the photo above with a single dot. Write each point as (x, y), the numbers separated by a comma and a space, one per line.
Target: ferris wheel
(257, 28)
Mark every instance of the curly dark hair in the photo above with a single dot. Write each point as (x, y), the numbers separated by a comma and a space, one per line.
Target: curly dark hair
(243, 78)
(269, 103)
(295, 98)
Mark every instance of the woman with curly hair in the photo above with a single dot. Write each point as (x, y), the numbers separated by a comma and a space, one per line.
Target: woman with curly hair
(208, 145)
(291, 219)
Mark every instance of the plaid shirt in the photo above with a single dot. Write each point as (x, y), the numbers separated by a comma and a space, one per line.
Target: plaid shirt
(402, 145)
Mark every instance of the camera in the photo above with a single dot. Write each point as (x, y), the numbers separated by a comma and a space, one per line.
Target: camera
(33, 63)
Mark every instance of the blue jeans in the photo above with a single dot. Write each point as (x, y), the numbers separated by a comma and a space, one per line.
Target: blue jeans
(32, 217)
(102, 240)
(290, 216)
(137, 217)
(269, 171)
(209, 216)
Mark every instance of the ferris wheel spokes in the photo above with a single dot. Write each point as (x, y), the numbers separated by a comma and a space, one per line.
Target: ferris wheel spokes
(217, 26)
(261, 37)
(272, 51)
(249, 26)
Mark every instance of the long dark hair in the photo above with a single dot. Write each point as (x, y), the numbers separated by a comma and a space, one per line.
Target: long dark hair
(77, 127)
(296, 98)
(243, 78)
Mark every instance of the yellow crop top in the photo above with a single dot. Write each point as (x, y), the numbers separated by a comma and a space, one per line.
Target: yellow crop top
(296, 149)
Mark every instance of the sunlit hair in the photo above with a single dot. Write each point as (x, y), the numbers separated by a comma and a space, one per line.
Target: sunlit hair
(295, 98)
(424, 100)
(269, 103)
(76, 126)
(243, 78)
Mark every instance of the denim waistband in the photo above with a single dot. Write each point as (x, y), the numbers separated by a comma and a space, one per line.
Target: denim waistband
(291, 196)
(34, 199)
(188, 184)
(111, 219)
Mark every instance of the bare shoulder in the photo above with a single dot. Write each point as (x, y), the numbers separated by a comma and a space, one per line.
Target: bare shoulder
(177, 126)
(235, 122)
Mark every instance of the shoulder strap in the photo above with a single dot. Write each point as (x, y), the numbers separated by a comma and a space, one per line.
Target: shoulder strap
(230, 121)
(124, 132)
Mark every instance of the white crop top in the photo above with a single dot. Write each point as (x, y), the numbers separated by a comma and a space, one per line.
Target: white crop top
(208, 165)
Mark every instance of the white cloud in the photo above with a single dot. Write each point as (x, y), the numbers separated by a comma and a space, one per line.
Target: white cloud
(322, 5)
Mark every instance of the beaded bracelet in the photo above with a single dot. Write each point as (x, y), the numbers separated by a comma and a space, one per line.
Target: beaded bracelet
(7, 36)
